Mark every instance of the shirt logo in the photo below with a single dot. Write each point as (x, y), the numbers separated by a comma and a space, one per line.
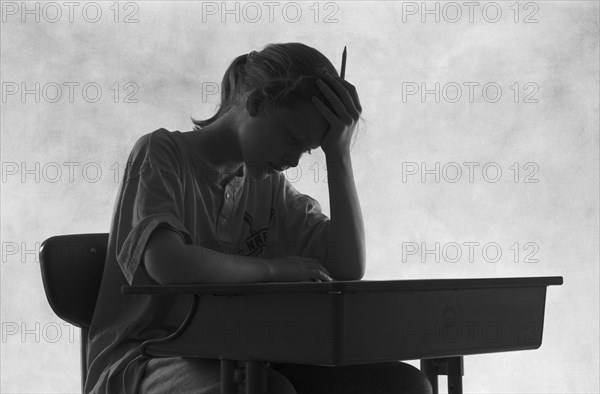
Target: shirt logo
(257, 240)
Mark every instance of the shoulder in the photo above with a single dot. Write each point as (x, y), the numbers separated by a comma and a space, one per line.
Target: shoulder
(155, 141)
(156, 149)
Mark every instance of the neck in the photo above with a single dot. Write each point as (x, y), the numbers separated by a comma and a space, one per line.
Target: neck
(219, 144)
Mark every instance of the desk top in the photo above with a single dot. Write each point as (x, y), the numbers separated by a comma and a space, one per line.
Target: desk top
(344, 286)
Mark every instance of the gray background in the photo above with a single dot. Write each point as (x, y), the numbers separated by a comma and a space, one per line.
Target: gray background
(172, 54)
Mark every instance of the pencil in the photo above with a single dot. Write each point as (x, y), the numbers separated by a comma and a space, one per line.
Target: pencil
(343, 72)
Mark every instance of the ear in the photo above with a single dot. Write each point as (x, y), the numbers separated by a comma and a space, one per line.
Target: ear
(255, 105)
(252, 107)
(253, 102)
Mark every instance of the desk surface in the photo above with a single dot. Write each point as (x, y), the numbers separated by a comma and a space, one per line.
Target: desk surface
(344, 286)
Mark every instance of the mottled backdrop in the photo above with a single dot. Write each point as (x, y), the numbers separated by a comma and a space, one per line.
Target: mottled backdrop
(478, 156)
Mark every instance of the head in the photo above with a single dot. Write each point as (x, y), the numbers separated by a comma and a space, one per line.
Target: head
(269, 94)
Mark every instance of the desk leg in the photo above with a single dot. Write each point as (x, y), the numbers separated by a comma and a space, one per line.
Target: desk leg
(430, 371)
(451, 366)
(455, 373)
(228, 385)
(256, 378)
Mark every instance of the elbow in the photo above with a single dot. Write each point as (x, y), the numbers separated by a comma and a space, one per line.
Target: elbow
(356, 270)
(165, 268)
(357, 274)
(347, 277)
(155, 267)
(351, 269)
(360, 275)
(161, 256)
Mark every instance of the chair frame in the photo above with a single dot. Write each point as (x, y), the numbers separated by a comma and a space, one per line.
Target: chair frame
(83, 256)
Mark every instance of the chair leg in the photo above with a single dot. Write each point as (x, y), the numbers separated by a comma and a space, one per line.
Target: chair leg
(84, 337)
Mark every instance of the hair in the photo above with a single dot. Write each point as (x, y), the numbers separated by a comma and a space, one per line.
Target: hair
(279, 75)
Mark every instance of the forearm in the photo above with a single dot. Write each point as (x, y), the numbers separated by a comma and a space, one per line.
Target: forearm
(194, 264)
(346, 253)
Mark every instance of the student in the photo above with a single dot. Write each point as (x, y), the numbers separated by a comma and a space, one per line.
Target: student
(208, 206)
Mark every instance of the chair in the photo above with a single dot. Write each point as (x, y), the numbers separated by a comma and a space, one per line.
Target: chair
(72, 266)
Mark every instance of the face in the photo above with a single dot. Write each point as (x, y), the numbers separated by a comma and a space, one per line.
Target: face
(281, 137)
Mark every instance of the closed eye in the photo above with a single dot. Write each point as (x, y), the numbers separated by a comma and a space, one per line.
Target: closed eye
(298, 142)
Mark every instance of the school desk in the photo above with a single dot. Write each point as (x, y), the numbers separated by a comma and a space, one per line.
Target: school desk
(355, 322)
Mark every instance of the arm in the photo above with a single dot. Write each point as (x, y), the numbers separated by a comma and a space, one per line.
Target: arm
(169, 260)
(347, 230)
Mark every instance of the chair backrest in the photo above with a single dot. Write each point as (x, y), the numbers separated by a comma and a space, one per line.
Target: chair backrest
(72, 267)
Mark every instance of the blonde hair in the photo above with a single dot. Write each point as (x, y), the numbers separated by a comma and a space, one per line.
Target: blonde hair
(278, 75)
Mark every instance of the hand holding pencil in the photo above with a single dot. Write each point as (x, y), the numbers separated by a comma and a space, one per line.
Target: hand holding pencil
(343, 98)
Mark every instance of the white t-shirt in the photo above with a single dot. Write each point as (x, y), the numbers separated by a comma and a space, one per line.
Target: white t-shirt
(167, 183)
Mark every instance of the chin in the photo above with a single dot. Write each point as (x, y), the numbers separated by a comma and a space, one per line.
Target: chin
(260, 172)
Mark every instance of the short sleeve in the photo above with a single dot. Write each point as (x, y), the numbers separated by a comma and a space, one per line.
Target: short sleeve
(304, 227)
(151, 196)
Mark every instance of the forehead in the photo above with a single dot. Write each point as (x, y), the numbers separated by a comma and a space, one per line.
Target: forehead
(303, 120)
